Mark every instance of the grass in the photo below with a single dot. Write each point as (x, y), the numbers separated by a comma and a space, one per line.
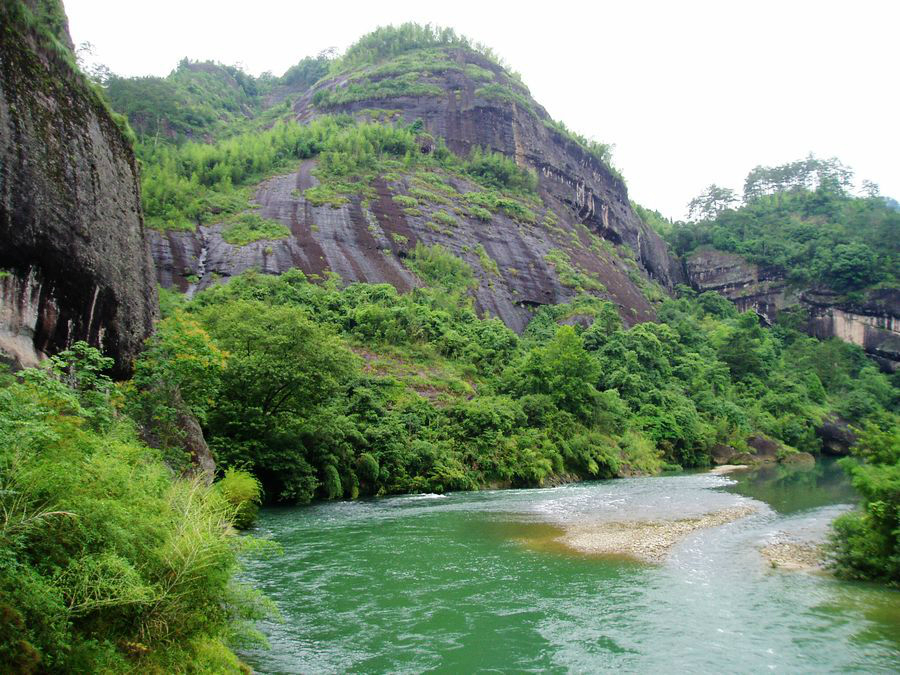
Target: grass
(249, 227)
(444, 218)
(406, 201)
(433, 181)
(478, 73)
(421, 370)
(406, 85)
(480, 213)
(326, 194)
(569, 274)
(488, 264)
(506, 94)
(424, 195)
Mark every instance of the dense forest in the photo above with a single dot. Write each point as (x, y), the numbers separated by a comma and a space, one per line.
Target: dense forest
(311, 389)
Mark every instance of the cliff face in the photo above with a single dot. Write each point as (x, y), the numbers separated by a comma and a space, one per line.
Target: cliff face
(590, 221)
(872, 323)
(74, 258)
(468, 114)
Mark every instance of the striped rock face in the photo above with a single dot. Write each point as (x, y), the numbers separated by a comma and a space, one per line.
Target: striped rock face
(579, 235)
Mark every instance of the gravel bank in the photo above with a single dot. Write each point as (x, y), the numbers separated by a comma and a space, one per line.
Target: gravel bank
(728, 468)
(648, 541)
(802, 556)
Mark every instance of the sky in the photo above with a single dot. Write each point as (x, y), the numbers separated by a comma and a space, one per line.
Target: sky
(690, 93)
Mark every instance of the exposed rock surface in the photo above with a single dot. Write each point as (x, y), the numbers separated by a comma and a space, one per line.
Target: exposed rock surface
(465, 117)
(366, 240)
(836, 435)
(75, 261)
(761, 449)
(873, 323)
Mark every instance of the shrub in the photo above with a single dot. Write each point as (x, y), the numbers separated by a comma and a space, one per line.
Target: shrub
(495, 169)
(249, 227)
(481, 213)
(444, 218)
(243, 491)
(866, 545)
(437, 266)
(106, 561)
(406, 201)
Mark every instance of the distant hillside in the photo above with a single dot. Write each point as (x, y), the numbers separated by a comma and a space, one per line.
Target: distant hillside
(414, 137)
(204, 100)
(800, 238)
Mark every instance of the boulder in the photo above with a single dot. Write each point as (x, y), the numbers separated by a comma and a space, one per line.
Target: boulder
(802, 460)
(722, 454)
(836, 435)
(764, 449)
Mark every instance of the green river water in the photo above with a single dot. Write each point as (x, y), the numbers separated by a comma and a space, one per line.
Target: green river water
(475, 582)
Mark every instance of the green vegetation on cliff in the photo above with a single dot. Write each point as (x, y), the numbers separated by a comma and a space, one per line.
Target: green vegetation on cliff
(207, 101)
(802, 218)
(197, 183)
(208, 132)
(197, 100)
(389, 42)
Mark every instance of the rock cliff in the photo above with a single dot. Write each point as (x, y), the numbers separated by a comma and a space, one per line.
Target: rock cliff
(871, 322)
(74, 259)
(584, 209)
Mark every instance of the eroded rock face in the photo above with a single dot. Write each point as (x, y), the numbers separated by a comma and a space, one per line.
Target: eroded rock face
(749, 286)
(569, 176)
(75, 261)
(872, 323)
(367, 240)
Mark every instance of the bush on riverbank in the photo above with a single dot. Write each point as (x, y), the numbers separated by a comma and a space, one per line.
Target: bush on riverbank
(107, 563)
(866, 543)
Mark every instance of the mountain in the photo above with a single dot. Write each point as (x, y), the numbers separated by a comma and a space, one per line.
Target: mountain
(74, 260)
(572, 231)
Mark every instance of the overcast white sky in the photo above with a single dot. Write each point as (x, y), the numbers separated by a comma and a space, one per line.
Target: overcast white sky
(690, 93)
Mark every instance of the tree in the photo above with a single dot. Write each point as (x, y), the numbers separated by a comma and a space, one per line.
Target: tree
(711, 202)
(851, 266)
(804, 174)
(98, 73)
(279, 360)
(866, 544)
(273, 412)
(747, 349)
(563, 370)
(870, 189)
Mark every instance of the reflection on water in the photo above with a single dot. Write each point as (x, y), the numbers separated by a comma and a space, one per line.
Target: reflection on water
(789, 489)
(410, 584)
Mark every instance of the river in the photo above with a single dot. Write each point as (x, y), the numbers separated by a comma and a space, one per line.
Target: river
(480, 582)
